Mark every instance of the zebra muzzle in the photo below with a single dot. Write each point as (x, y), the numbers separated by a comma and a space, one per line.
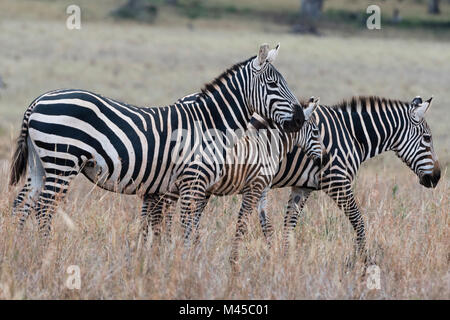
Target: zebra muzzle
(431, 180)
(298, 119)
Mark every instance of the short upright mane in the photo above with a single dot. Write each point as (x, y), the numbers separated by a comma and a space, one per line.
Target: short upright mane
(358, 100)
(209, 87)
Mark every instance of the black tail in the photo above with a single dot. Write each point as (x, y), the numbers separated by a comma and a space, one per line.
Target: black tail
(20, 157)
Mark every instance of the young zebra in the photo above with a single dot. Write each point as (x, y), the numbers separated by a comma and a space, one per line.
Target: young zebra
(352, 132)
(133, 150)
(248, 168)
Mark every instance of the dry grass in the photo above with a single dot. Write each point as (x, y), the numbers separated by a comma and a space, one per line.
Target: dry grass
(407, 235)
(408, 229)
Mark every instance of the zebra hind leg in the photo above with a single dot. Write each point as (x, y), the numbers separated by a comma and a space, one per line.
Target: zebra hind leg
(54, 190)
(56, 183)
(25, 201)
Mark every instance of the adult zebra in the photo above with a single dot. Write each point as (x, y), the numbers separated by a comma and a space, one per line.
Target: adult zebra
(133, 150)
(352, 132)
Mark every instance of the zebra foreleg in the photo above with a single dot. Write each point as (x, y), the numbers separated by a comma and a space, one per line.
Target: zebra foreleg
(168, 212)
(345, 200)
(150, 210)
(155, 210)
(197, 215)
(249, 201)
(192, 201)
(169, 204)
(264, 218)
(297, 200)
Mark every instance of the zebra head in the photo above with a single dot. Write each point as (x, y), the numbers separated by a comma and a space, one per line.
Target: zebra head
(308, 139)
(269, 94)
(416, 145)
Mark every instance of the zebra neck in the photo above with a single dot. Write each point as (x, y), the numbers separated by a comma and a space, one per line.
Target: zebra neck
(228, 107)
(376, 126)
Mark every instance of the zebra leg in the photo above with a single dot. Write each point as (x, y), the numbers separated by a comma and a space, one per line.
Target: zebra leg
(345, 200)
(297, 200)
(169, 211)
(264, 218)
(169, 203)
(151, 209)
(192, 201)
(27, 197)
(249, 201)
(199, 210)
(25, 202)
(55, 189)
(155, 210)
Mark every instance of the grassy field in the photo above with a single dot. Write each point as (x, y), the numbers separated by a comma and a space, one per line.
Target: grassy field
(408, 226)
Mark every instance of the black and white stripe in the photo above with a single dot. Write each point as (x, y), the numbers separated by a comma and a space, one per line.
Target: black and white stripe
(352, 132)
(131, 150)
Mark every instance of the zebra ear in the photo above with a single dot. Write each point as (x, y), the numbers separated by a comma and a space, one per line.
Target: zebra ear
(273, 54)
(420, 107)
(262, 56)
(312, 105)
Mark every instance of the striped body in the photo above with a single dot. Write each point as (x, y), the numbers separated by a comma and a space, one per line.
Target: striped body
(131, 150)
(353, 132)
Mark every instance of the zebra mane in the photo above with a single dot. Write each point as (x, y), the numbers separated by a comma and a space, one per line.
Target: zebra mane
(358, 100)
(210, 87)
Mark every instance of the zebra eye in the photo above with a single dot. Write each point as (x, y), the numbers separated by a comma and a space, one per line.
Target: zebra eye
(427, 138)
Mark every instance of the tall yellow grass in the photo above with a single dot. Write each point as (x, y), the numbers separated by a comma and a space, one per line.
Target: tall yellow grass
(99, 231)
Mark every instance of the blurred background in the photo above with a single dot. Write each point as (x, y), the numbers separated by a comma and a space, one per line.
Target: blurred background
(152, 52)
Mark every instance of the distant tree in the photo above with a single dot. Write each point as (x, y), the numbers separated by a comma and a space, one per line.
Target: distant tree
(310, 11)
(396, 18)
(172, 2)
(433, 7)
(311, 8)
